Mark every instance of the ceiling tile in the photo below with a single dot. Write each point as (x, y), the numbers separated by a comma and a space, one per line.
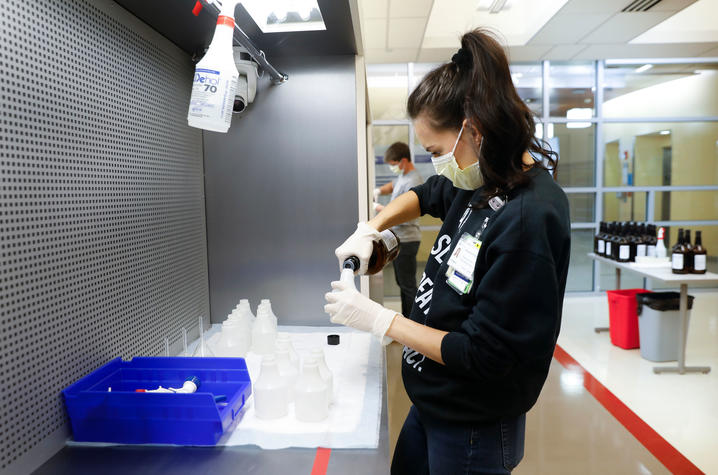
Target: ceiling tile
(515, 25)
(410, 8)
(375, 33)
(661, 50)
(568, 27)
(527, 53)
(406, 32)
(563, 52)
(694, 24)
(398, 55)
(436, 55)
(373, 8)
(623, 27)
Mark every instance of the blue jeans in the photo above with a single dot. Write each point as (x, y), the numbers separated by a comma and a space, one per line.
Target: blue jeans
(438, 448)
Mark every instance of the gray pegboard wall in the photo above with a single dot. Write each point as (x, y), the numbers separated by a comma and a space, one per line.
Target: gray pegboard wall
(102, 223)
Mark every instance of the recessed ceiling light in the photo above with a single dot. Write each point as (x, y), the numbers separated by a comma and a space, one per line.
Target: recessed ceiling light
(579, 113)
(278, 16)
(644, 68)
(665, 132)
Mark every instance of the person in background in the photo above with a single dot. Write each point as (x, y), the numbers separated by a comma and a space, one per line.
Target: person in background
(480, 338)
(397, 156)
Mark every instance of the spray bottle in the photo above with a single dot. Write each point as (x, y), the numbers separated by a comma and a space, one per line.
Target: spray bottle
(215, 78)
(660, 246)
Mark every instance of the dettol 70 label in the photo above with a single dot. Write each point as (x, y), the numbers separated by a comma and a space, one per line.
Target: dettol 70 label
(208, 95)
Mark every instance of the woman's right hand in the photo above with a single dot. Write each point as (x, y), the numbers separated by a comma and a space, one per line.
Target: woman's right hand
(360, 244)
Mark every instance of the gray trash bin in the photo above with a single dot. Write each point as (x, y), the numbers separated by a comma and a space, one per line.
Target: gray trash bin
(659, 324)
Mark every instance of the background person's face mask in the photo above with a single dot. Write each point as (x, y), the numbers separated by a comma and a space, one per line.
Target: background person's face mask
(467, 179)
(395, 169)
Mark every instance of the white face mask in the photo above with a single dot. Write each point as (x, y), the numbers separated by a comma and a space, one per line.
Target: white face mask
(467, 179)
(395, 169)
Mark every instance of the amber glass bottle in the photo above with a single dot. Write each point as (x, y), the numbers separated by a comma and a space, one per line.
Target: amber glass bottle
(688, 266)
(678, 255)
(624, 245)
(699, 255)
(385, 250)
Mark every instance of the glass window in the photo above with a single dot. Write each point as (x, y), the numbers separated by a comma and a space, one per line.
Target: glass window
(624, 206)
(582, 206)
(572, 89)
(421, 70)
(383, 136)
(607, 278)
(660, 154)
(660, 90)
(527, 80)
(580, 270)
(575, 146)
(686, 206)
(388, 90)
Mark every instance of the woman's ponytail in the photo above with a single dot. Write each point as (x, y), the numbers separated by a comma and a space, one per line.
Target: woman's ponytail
(477, 85)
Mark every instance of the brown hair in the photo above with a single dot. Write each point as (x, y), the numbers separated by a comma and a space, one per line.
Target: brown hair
(476, 85)
(396, 152)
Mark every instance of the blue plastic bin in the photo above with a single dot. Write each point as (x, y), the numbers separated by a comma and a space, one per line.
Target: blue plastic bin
(128, 417)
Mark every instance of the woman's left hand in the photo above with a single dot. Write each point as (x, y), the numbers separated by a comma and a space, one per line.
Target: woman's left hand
(347, 306)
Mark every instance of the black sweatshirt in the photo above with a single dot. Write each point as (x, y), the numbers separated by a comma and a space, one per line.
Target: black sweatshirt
(502, 333)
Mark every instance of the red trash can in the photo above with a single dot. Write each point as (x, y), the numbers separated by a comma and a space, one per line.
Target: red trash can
(623, 317)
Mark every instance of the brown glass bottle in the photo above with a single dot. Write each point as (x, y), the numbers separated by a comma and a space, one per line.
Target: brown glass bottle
(689, 251)
(385, 250)
(624, 245)
(699, 255)
(678, 255)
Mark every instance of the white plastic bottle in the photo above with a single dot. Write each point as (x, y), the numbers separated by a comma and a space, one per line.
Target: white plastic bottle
(236, 337)
(285, 342)
(246, 309)
(267, 303)
(215, 78)
(660, 245)
(288, 371)
(270, 391)
(263, 333)
(311, 394)
(324, 371)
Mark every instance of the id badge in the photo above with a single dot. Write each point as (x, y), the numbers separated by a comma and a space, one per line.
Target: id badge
(460, 274)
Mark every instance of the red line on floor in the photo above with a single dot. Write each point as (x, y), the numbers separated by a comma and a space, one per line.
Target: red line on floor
(321, 461)
(668, 455)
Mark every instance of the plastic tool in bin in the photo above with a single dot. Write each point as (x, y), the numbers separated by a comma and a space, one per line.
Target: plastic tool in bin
(128, 417)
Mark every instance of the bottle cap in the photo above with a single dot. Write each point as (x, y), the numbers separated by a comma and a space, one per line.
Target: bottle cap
(333, 339)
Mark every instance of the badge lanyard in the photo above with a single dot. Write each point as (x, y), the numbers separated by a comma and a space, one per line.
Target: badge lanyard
(461, 264)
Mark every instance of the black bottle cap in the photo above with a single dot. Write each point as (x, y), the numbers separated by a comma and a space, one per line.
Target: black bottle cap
(333, 339)
(352, 263)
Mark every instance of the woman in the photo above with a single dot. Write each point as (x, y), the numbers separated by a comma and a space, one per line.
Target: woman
(481, 333)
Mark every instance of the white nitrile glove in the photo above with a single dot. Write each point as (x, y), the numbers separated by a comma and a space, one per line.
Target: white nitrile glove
(377, 192)
(348, 307)
(377, 207)
(359, 244)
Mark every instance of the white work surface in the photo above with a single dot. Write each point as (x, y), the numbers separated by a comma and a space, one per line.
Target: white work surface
(664, 274)
(354, 416)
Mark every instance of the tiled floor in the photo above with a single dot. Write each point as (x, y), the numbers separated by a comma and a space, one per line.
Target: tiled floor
(569, 432)
(683, 409)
